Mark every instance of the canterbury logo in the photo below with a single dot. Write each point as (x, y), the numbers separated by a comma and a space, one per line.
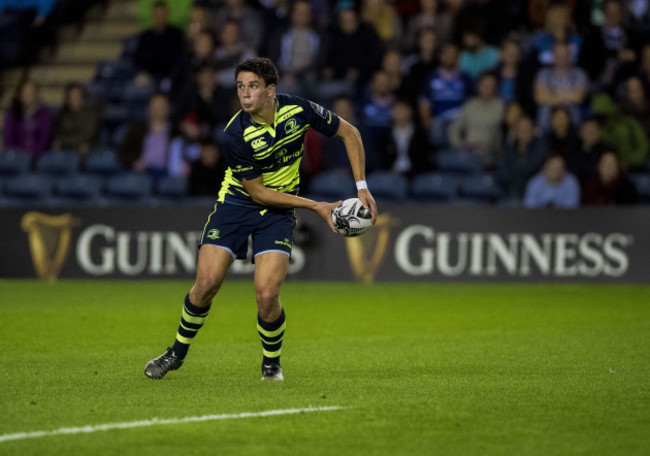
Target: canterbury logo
(259, 143)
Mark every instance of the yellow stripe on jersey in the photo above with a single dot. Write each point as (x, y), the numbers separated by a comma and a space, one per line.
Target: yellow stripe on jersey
(284, 179)
(230, 121)
(230, 186)
(279, 144)
(286, 112)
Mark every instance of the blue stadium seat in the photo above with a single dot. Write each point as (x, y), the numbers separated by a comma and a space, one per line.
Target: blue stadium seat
(29, 187)
(130, 187)
(434, 187)
(119, 71)
(13, 162)
(642, 183)
(334, 185)
(388, 186)
(479, 189)
(171, 187)
(134, 94)
(102, 163)
(459, 162)
(58, 163)
(79, 187)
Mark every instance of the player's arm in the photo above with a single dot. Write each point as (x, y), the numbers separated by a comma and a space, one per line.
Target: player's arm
(352, 140)
(264, 196)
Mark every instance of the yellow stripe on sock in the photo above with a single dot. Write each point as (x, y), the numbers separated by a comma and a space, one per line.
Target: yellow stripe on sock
(273, 354)
(188, 329)
(275, 333)
(191, 319)
(183, 340)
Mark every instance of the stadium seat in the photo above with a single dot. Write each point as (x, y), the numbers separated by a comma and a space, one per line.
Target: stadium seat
(388, 186)
(118, 71)
(58, 163)
(130, 187)
(333, 185)
(134, 94)
(642, 183)
(102, 163)
(13, 162)
(79, 187)
(479, 189)
(434, 187)
(29, 187)
(170, 187)
(459, 162)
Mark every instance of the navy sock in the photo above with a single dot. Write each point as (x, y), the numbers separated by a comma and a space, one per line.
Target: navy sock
(192, 319)
(272, 335)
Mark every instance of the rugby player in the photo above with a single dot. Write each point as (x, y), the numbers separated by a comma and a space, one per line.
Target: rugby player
(263, 145)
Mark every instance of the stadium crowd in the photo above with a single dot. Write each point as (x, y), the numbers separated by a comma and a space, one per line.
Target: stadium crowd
(538, 103)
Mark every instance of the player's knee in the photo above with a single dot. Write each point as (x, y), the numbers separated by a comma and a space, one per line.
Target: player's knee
(268, 297)
(205, 288)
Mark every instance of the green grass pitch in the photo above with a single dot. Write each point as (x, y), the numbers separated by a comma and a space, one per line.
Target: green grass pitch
(419, 369)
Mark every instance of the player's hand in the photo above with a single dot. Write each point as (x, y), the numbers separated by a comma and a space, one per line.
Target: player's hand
(368, 202)
(325, 209)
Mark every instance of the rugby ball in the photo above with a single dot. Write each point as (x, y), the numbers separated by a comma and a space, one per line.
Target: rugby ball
(351, 218)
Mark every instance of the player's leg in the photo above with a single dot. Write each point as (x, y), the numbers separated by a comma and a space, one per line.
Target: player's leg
(270, 270)
(212, 268)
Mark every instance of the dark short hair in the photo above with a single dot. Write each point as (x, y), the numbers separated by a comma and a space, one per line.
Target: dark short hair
(260, 66)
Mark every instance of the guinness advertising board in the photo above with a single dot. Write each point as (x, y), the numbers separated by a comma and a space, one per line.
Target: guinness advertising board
(408, 243)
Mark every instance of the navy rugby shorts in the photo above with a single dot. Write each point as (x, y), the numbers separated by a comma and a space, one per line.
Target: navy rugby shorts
(229, 226)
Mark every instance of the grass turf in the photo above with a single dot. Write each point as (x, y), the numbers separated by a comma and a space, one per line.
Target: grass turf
(420, 368)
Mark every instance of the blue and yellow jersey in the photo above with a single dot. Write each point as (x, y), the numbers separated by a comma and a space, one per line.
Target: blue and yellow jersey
(271, 151)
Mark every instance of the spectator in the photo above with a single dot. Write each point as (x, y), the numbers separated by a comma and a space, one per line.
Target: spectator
(561, 137)
(521, 160)
(419, 64)
(27, 122)
(335, 154)
(202, 52)
(636, 104)
(207, 171)
(610, 50)
(404, 148)
(207, 99)
(250, 23)
(185, 146)
(77, 123)
(298, 51)
(558, 28)
(511, 115)
(515, 81)
(354, 53)
(478, 127)
(381, 15)
(553, 187)
(230, 51)
(376, 119)
(582, 161)
(159, 48)
(179, 12)
(621, 131)
(609, 186)
(562, 84)
(199, 22)
(427, 18)
(496, 17)
(444, 92)
(145, 147)
(476, 56)
(391, 65)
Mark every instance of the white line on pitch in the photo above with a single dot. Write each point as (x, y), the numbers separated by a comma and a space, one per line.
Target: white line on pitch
(157, 422)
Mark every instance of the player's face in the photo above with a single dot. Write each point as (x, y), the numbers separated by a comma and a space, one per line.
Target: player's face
(253, 93)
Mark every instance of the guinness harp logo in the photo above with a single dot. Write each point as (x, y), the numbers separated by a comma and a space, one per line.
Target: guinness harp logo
(49, 241)
(374, 241)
